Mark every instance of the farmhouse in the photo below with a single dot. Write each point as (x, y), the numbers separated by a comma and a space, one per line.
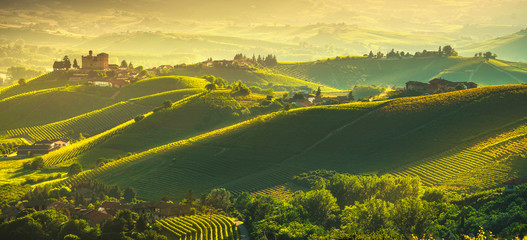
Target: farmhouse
(437, 85)
(512, 184)
(41, 148)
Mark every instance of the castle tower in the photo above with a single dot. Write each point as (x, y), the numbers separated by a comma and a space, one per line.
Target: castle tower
(99, 62)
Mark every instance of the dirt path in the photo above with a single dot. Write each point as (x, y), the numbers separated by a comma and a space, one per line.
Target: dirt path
(329, 135)
(508, 73)
(474, 71)
(115, 94)
(244, 234)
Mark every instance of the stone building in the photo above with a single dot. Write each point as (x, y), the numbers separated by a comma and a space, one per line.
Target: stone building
(99, 62)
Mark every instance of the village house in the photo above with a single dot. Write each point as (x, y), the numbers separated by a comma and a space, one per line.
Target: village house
(160, 210)
(437, 85)
(41, 147)
(512, 184)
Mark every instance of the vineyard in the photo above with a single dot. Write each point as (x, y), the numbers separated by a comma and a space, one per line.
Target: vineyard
(74, 150)
(484, 164)
(345, 72)
(200, 227)
(88, 124)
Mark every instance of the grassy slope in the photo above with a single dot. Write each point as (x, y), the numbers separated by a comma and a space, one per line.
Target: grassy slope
(355, 138)
(95, 122)
(189, 117)
(510, 47)
(345, 73)
(253, 78)
(47, 106)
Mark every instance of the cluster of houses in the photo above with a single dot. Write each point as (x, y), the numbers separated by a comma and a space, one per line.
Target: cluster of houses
(438, 85)
(41, 147)
(92, 65)
(153, 210)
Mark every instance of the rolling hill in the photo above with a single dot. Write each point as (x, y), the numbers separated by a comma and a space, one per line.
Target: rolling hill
(95, 122)
(344, 73)
(189, 117)
(356, 138)
(510, 47)
(253, 77)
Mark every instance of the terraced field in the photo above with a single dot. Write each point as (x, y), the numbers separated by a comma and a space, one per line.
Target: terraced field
(95, 122)
(74, 150)
(344, 73)
(433, 172)
(200, 227)
(482, 165)
(88, 124)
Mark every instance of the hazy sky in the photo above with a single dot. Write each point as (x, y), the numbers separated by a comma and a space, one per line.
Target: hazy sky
(385, 14)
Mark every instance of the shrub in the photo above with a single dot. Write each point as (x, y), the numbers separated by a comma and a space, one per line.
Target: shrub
(74, 169)
(139, 118)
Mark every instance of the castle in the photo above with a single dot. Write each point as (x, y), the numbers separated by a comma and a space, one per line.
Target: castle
(99, 62)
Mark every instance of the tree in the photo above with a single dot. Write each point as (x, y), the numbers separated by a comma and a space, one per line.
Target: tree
(167, 104)
(460, 86)
(130, 65)
(350, 96)
(21, 82)
(210, 87)
(38, 163)
(124, 64)
(318, 95)
(370, 55)
(75, 64)
(66, 62)
(139, 118)
(129, 194)
(219, 198)
(320, 205)
(74, 169)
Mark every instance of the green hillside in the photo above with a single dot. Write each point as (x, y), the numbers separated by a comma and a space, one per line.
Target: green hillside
(47, 106)
(343, 73)
(95, 122)
(354, 138)
(510, 47)
(254, 77)
(157, 85)
(189, 117)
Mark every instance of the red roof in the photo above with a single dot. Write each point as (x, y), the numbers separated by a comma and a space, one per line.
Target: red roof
(98, 216)
(110, 205)
(515, 181)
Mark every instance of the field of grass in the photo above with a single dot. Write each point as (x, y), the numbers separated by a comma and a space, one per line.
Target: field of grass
(485, 164)
(355, 138)
(189, 117)
(257, 77)
(200, 227)
(159, 84)
(47, 106)
(345, 73)
(95, 122)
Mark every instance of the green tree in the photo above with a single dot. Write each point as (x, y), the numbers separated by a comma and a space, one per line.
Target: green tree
(368, 217)
(167, 104)
(66, 62)
(75, 64)
(71, 237)
(219, 198)
(38, 163)
(21, 82)
(210, 87)
(74, 169)
(320, 205)
(124, 64)
(129, 194)
(318, 95)
(79, 228)
(130, 66)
